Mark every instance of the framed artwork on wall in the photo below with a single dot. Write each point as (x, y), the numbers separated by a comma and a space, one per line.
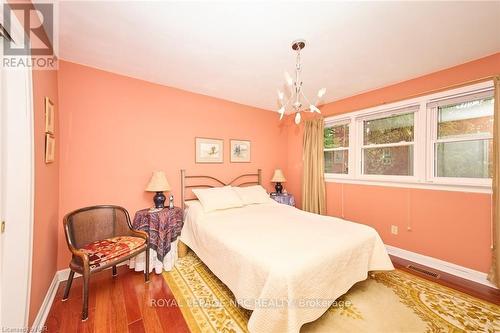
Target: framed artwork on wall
(209, 150)
(240, 151)
(50, 148)
(49, 116)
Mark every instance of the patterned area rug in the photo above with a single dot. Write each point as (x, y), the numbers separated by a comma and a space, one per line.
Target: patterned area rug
(386, 302)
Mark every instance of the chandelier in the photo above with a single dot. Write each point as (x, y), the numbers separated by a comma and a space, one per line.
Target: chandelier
(297, 101)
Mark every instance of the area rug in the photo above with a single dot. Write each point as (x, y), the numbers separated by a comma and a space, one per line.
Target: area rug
(386, 302)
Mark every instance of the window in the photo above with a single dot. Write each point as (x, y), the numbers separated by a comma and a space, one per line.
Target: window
(388, 145)
(336, 148)
(439, 140)
(462, 139)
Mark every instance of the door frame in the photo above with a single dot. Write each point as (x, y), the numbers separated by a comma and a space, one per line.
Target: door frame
(17, 198)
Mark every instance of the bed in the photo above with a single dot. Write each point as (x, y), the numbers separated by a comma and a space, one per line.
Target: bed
(286, 265)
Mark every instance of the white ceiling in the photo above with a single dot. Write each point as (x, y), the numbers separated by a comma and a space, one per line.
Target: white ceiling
(238, 51)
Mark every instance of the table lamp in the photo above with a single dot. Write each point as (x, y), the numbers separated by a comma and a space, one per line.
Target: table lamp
(278, 178)
(158, 183)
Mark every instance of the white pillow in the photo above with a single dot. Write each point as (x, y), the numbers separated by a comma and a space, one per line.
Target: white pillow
(218, 198)
(252, 194)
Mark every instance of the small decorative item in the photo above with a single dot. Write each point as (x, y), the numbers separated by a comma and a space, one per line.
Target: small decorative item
(278, 178)
(240, 151)
(171, 202)
(50, 148)
(209, 150)
(158, 183)
(49, 116)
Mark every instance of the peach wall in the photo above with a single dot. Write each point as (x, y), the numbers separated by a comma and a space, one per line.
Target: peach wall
(116, 130)
(45, 229)
(451, 226)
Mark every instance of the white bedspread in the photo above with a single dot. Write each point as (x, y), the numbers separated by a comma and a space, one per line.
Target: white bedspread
(285, 264)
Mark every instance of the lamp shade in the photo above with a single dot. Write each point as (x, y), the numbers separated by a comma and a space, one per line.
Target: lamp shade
(158, 182)
(278, 176)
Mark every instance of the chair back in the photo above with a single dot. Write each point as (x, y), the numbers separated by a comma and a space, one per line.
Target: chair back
(90, 224)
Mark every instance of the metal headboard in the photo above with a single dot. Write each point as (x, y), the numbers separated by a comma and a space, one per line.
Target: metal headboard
(242, 180)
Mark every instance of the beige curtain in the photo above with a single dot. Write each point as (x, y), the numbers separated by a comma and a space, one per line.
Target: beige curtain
(313, 183)
(494, 275)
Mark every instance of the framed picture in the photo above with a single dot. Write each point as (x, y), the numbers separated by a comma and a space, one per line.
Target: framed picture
(49, 116)
(50, 148)
(240, 151)
(209, 150)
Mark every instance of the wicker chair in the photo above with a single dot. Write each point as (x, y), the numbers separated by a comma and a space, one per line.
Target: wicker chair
(100, 237)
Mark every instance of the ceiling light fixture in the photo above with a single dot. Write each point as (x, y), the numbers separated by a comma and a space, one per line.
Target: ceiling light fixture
(295, 101)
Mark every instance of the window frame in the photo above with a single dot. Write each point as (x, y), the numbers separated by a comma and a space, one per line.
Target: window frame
(425, 133)
(432, 139)
(339, 122)
(360, 133)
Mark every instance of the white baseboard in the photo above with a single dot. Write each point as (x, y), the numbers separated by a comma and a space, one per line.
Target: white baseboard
(63, 274)
(43, 312)
(444, 266)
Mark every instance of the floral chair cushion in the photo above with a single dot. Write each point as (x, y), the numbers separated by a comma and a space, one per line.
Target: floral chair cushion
(103, 251)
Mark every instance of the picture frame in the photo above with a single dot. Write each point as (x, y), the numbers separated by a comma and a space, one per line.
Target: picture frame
(50, 148)
(49, 116)
(240, 151)
(209, 150)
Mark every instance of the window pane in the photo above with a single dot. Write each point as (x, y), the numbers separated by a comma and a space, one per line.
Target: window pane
(337, 161)
(460, 120)
(467, 159)
(388, 161)
(389, 129)
(336, 136)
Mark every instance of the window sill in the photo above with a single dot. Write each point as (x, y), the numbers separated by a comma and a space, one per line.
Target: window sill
(408, 184)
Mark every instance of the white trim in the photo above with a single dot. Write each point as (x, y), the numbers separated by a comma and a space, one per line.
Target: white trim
(350, 166)
(359, 145)
(18, 198)
(482, 93)
(432, 140)
(43, 312)
(388, 145)
(63, 274)
(441, 265)
(334, 178)
(336, 149)
(423, 158)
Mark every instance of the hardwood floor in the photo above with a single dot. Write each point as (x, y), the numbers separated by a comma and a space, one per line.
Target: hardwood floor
(126, 303)
(120, 304)
(475, 289)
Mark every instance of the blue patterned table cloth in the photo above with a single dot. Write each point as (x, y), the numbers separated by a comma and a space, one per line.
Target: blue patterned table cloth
(163, 227)
(286, 199)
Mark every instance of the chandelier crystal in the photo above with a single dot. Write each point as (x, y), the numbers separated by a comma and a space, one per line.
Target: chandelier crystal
(297, 101)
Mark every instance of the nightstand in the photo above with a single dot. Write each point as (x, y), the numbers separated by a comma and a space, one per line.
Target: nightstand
(286, 199)
(163, 227)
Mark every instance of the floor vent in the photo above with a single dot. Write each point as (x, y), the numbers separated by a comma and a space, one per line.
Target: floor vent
(423, 271)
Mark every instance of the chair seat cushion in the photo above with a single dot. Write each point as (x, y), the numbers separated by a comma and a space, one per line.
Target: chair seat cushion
(103, 251)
